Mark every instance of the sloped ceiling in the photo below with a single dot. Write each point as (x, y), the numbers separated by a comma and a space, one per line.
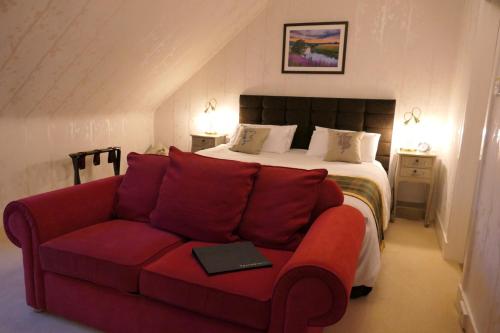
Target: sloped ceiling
(76, 57)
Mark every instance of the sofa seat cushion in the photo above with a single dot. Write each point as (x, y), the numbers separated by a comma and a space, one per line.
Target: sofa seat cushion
(110, 253)
(241, 297)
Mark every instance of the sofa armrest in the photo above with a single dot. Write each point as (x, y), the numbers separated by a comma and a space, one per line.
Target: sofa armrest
(58, 212)
(32, 221)
(313, 288)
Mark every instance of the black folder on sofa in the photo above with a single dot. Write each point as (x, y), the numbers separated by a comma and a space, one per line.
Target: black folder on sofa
(230, 257)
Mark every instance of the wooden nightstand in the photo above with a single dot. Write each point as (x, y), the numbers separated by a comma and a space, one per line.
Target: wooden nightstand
(205, 141)
(415, 167)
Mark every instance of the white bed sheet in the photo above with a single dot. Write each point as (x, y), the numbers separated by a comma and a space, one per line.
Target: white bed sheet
(369, 260)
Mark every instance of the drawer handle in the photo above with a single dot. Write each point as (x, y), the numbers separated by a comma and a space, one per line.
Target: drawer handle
(414, 172)
(416, 161)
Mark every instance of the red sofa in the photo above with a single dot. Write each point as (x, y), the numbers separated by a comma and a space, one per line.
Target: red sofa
(84, 261)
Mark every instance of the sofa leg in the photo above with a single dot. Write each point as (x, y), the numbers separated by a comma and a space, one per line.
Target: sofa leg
(37, 310)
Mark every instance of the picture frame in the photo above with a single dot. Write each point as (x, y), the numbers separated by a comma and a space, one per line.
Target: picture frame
(314, 48)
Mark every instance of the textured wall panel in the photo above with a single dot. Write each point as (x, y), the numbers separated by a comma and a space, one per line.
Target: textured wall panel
(481, 282)
(81, 74)
(35, 150)
(403, 50)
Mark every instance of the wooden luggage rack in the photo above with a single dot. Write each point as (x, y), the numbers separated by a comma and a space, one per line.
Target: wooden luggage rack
(78, 159)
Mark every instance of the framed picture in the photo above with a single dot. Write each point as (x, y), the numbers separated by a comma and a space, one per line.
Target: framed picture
(314, 48)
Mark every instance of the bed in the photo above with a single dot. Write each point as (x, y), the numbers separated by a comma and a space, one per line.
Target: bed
(371, 115)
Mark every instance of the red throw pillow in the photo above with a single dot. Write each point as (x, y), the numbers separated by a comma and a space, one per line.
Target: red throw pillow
(203, 198)
(139, 189)
(330, 195)
(280, 205)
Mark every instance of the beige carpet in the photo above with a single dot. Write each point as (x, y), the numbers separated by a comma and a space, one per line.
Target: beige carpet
(415, 291)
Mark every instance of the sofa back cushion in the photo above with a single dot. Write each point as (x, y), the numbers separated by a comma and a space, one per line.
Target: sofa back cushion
(330, 195)
(137, 194)
(280, 206)
(203, 198)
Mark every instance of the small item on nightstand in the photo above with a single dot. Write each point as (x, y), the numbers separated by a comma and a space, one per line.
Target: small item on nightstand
(424, 147)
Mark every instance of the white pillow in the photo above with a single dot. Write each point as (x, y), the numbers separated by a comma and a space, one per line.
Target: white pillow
(279, 140)
(369, 144)
(234, 136)
(319, 144)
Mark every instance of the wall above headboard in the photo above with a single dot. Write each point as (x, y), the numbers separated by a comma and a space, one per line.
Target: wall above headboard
(414, 65)
(355, 114)
(403, 50)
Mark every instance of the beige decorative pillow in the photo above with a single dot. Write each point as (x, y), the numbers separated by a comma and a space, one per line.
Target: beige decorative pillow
(344, 146)
(250, 140)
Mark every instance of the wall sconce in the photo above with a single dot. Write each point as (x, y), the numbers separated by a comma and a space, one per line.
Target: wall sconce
(410, 122)
(413, 132)
(414, 115)
(210, 116)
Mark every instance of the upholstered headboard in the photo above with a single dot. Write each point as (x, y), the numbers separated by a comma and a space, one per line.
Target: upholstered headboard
(370, 115)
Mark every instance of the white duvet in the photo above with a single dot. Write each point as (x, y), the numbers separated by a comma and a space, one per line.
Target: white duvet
(369, 260)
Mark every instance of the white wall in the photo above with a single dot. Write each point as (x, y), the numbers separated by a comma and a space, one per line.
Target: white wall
(481, 281)
(456, 115)
(469, 105)
(404, 50)
(72, 56)
(77, 75)
(35, 150)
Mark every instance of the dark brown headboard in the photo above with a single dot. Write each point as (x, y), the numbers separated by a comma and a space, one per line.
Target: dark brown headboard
(370, 115)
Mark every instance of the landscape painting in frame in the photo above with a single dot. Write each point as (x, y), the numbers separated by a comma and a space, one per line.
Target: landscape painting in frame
(314, 48)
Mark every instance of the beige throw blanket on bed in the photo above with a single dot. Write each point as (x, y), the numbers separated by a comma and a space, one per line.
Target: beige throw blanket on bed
(367, 191)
